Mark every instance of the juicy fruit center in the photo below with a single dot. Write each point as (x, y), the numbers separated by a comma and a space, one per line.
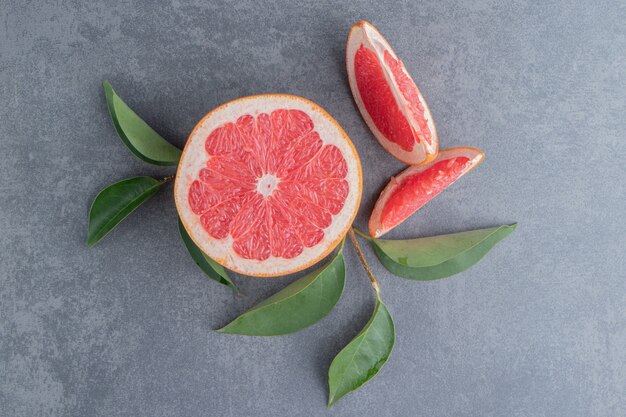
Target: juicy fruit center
(412, 96)
(270, 184)
(379, 100)
(266, 185)
(416, 190)
(381, 103)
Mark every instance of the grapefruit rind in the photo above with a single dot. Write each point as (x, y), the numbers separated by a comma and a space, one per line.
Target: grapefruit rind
(364, 33)
(194, 158)
(475, 156)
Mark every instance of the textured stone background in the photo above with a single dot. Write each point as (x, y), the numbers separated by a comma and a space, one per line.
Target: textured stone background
(538, 328)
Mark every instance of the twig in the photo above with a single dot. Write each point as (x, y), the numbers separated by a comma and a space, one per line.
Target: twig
(359, 252)
(363, 235)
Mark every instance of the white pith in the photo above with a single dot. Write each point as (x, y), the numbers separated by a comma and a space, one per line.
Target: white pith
(365, 34)
(195, 157)
(376, 229)
(266, 185)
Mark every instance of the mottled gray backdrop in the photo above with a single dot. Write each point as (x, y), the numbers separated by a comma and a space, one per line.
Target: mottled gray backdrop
(538, 328)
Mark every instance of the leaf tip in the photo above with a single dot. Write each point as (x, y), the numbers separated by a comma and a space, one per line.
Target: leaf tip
(226, 330)
(333, 398)
(91, 241)
(509, 228)
(108, 89)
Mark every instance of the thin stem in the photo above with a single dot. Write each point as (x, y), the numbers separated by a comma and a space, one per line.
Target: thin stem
(363, 235)
(359, 252)
(343, 242)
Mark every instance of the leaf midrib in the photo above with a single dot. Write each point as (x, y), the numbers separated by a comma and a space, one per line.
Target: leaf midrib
(114, 220)
(362, 335)
(451, 257)
(298, 292)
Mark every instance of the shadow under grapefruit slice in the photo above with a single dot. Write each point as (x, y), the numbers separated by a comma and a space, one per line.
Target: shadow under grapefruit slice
(268, 185)
(389, 101)
(417, 185)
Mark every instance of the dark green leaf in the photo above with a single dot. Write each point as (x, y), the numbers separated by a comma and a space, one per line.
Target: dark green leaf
(116, 202)
(437, 257)
(211, 268)
(141, 139)
(299, 305)
(364, 356)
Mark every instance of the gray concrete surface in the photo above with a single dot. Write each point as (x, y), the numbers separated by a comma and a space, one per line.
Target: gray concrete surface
(538, 328)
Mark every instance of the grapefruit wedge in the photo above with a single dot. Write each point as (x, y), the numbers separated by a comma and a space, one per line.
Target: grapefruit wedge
(268, 185)
(417, 185)
(389, 101)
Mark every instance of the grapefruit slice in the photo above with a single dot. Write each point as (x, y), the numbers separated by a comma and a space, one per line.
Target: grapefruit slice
(268, 185)
(417, 185)
(389, 101)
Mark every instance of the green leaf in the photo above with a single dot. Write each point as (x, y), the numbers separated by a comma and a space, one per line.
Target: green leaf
(141, 139)
(438, 257)
(211, 268)
(299, 305)
(364, 356)
(117, 201)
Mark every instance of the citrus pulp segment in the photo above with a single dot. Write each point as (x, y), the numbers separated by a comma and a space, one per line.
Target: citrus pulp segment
(388, 99)
(417, 185)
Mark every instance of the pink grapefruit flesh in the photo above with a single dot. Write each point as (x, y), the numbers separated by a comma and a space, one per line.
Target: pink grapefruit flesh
(417, 185)
(387, 97)
(268, 185)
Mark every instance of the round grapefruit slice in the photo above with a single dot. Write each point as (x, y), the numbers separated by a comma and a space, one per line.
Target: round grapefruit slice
(417, 185)
(390, 102)
(268, 185)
